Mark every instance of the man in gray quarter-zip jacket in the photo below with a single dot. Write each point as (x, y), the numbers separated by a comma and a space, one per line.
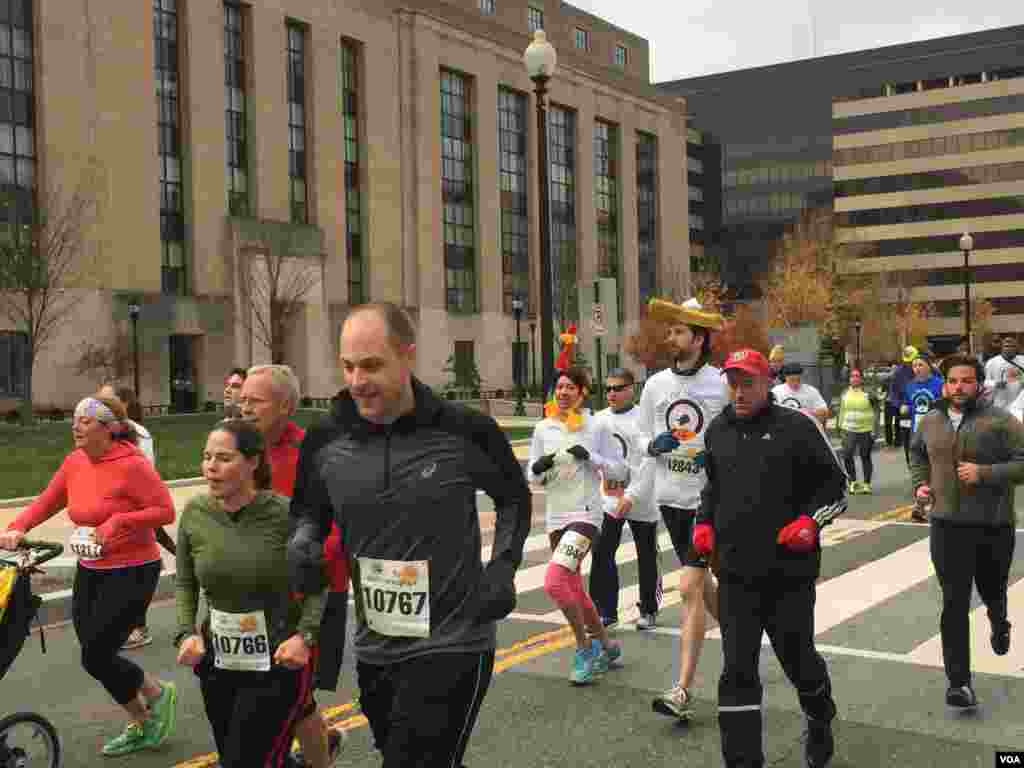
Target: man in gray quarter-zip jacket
(397, 469)
(967, 456)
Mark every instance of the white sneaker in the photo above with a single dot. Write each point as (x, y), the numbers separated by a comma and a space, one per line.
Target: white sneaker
(646, 621)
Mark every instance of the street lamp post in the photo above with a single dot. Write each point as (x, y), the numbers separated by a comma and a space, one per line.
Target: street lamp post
(967, 245)
(134, 310)
(540, 60)
(533, 354)
(859, 326)
(517, 361)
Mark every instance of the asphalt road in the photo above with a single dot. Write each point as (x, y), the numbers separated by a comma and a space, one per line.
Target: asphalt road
(877, 627)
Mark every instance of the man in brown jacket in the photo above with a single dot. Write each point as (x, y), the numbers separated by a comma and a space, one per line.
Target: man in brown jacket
(967, 456)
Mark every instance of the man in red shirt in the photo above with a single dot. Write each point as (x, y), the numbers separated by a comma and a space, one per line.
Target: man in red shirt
(270, 395)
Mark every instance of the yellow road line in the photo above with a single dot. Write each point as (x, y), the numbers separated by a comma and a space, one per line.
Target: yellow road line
(899, 513)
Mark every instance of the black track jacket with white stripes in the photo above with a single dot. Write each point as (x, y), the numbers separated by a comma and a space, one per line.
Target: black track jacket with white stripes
(407, 492)
(763, 473)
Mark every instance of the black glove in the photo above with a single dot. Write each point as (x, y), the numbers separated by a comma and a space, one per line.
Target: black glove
(306, 572)
(666, 442)
(579, 452)
(496, 593)
(543, 464)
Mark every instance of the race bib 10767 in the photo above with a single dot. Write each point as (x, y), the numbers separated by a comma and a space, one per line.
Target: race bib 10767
(396, 596)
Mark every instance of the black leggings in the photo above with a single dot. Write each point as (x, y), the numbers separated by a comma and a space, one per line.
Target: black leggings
(253, 714)
(422, 711)
(858, 443)
(105, 608)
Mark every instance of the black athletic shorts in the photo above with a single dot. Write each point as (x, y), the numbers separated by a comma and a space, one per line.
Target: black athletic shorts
(679, 523)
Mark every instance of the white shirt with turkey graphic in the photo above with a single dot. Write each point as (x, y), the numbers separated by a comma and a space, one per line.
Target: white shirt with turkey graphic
(684, 405)
(626, 432)
(805, 398)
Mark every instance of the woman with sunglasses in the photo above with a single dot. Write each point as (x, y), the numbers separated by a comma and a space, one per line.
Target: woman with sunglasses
(570, 451)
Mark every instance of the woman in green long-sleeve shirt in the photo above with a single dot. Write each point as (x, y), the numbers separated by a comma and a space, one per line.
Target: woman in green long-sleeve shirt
(255, 653)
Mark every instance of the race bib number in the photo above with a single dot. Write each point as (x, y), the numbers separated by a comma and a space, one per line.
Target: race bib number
(84, 545)
(396, 596)
(571, 549)
(566, 486)
(240, 641)
(685, 462)
(905, 423)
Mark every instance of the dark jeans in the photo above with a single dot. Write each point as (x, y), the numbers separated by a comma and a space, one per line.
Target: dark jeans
(965, 555)
(858, 443)
(892, 425)
(422, 711)
(786, 613)
(604, 573)
(253, 714)
(105, 608)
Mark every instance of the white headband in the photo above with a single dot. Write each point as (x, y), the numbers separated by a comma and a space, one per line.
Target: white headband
(92, 408)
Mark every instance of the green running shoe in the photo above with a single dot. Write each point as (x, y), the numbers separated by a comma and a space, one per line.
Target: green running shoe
(163, 714)
(133, 739)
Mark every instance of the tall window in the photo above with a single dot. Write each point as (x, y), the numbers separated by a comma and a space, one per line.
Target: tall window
(297, 124)
(17, 115)
(621, 55)
(487, 7)
(606, 140)
(14, 360)
(234, 109)
(515, 227)
(562, 159)
(647, 213)
(534, 19)
(582, 39)
(457, 192)
(172, 214)
(357, 293)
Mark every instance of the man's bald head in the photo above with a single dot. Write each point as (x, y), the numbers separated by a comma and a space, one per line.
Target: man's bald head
(400, 328)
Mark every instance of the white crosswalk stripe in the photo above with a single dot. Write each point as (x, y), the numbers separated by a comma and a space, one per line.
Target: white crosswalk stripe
(892, 576)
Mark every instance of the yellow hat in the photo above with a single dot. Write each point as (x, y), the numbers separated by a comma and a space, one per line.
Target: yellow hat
(689, 313)
(910, 354)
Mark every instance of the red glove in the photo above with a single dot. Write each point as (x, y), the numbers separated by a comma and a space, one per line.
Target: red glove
(800, 536)
(703, 538)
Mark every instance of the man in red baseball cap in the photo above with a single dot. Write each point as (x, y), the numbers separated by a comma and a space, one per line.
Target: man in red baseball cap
(773, 483)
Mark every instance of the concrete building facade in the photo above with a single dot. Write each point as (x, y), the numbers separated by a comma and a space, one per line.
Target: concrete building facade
(909, 144)
(922, 162)
(331, 153)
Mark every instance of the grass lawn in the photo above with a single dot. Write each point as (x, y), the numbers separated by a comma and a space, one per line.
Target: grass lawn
(30, 456)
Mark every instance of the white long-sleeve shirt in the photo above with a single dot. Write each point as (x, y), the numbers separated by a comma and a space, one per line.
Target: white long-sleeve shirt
(573, 487)
(638, 485)
(683, 404)
(1000, 371)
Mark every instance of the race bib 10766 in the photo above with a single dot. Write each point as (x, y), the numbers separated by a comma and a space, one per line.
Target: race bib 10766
(240, 641)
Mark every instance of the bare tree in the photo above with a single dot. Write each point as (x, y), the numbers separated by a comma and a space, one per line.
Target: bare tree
(43, 269)
(112, 362)
(276, 288)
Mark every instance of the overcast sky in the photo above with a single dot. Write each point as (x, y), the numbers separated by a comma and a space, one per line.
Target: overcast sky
(703, 37)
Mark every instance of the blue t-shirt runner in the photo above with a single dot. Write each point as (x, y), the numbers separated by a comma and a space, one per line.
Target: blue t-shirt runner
(921, 397)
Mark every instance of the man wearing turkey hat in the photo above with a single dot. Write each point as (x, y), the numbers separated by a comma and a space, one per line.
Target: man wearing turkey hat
(676, 406)
(773, 481)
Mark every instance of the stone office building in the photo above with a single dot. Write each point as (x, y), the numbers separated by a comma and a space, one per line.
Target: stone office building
(362, 150)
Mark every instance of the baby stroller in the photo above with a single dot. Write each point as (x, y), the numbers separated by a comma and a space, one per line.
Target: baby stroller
(27, 740)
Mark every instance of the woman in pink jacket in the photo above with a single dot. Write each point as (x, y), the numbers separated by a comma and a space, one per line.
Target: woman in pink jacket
(117, 500)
